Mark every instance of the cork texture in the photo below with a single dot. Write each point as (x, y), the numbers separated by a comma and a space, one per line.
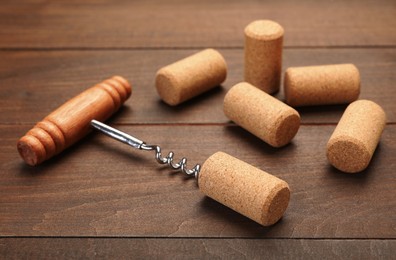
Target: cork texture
(191, 76)
(244, 188)
(261, 114)
(353, 142)
(263, 55)
(322, 85)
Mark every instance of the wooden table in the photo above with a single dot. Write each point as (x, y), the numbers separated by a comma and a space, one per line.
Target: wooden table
(101, 198)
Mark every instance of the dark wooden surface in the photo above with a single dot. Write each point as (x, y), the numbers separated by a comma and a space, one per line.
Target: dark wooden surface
(102, 199)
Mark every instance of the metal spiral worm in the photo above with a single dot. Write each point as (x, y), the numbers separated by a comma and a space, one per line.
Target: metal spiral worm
(139, 144)
(182, 165)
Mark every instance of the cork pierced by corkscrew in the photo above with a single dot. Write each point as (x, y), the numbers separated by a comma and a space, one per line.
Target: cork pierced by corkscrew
(248, 190)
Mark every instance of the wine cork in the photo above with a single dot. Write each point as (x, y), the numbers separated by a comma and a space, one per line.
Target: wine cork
(71, 121)
(250, 191)
(322, 85)
(263, 55)
(261, 114)
(190, 76)
(356, 136)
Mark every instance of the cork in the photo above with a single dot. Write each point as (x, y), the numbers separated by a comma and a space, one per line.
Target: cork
(244, 188)
(322, 85)
(353, 142)
(263, 55)
(266, 117)
(191, 76)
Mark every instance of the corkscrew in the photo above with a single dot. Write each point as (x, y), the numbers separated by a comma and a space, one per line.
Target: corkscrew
(226, 179)
(232, 182)
(139, 144)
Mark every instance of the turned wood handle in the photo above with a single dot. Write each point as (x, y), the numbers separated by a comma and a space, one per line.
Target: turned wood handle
(71, 121)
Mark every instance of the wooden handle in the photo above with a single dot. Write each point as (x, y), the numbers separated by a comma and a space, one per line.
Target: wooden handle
(71, 121)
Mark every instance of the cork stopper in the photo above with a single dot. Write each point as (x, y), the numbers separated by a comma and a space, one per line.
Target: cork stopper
(250, 191)
(261, 114)
(71, 121)
(191, 76)
(263, 55)
(353, 142)
(322, 85)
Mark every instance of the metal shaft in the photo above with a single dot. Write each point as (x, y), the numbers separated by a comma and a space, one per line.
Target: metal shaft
(139, 144)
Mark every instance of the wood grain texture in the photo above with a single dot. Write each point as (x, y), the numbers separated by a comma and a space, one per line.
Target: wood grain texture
(30, 81)
(179, 248)
(101, 199)
(220, 23)
(104, 188)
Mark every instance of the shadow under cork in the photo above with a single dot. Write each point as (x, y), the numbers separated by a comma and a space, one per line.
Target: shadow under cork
(236, 221)
(321, 113)
(253, 142)
(359, 178)
(209, 96)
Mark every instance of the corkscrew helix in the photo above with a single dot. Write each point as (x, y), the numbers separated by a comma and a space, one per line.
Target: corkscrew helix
(139, 144)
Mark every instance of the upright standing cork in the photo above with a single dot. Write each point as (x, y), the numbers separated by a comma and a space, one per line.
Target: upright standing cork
(322, 85)
(71, 121)
(263, 55)
(356, 136)
(252, 192)
(261, 114)
(190, 76)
